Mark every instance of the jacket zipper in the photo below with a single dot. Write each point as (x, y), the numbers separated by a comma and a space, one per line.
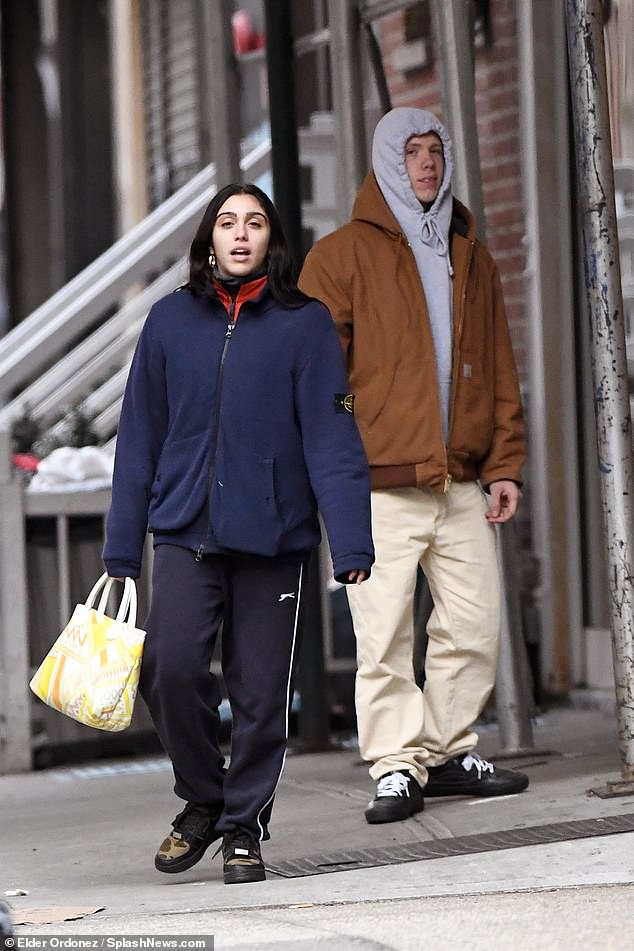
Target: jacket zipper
(212, 464)
(449, 478)
(464, 291)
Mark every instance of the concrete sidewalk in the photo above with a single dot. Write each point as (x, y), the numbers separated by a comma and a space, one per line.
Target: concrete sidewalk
(84, 838)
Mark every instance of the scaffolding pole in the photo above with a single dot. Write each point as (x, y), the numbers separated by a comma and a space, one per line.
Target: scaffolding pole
(313, 719)
(347, 94)
(455, 37)
(512, 692)
(221, 91)
(280, 70)
(595, 197)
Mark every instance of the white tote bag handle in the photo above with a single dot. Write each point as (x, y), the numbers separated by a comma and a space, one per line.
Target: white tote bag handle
(128, 605)
(129, 597)
(105, 583)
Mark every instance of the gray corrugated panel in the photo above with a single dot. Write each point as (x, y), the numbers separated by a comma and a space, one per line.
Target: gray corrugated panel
(460, 845)
(171, 95)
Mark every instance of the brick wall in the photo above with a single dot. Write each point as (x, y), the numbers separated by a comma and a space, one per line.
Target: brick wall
(497, 111)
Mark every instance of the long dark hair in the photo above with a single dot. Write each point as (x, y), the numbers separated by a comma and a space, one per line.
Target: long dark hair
(279, 261)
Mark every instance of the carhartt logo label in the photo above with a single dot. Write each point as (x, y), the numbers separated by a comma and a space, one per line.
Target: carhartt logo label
(467, 370)
(283, 597)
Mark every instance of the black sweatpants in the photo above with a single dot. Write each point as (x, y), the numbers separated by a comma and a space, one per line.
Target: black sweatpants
(260, 602)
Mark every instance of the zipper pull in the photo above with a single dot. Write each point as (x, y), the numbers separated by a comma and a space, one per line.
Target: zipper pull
(232, 315)
(199, 553)
(230, 327)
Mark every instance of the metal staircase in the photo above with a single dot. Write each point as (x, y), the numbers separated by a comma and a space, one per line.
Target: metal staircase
(70, 345)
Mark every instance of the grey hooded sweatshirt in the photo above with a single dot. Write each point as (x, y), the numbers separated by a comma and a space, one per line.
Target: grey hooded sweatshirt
(426, 231)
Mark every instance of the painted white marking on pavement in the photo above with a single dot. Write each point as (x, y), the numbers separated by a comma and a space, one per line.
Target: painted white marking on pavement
(111, 769)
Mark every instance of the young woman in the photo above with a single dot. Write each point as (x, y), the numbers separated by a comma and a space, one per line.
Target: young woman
(236, 427)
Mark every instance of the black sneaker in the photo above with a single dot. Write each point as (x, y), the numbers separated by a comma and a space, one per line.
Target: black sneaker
(469, 775)
(242, 858)
(193, 831)
(398, 796)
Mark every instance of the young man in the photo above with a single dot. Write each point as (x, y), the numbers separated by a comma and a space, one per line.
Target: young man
(418, 304)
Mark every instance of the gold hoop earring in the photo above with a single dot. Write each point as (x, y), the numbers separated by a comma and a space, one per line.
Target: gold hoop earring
(212, 259)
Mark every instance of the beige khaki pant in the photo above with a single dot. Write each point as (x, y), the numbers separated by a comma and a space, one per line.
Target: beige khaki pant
(400, 726)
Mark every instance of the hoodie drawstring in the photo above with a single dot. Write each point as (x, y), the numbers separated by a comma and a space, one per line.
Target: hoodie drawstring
(431, 234)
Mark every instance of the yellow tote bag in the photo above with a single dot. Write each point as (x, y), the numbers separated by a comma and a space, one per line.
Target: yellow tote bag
(91, 672)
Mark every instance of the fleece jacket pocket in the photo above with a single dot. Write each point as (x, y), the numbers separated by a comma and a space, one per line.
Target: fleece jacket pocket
(244, 513)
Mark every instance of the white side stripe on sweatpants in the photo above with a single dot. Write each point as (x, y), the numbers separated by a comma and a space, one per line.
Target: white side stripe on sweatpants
(288, 694)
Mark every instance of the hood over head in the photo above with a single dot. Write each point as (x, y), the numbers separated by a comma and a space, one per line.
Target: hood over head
(427, 231)
(391, 135)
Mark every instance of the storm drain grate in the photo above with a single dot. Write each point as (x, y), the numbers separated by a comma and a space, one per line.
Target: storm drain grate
(460, 845)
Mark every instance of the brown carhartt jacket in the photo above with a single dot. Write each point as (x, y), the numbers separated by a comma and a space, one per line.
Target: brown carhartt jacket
(366, 274)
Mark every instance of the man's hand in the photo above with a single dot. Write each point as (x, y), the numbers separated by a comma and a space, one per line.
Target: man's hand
(504, 500)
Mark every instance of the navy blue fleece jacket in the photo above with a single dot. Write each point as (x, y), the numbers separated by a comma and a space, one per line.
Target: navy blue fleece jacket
(233, 435)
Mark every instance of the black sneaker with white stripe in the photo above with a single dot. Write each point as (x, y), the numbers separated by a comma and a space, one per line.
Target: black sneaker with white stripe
(470, 775)
(398, 796)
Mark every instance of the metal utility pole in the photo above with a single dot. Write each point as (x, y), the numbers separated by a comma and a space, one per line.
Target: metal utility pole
(285, 152)
(221, 87)
(15, 712)
(453, 20)
(376, 61)
(47, 64)
(347, 93)
(513, 685)
(313, 725)
(455, 33)
(595, 197)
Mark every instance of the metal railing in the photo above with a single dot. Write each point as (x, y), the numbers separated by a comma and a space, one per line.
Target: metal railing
(128, 267)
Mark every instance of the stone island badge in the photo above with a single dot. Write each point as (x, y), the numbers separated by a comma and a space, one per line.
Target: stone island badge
(344, 402)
